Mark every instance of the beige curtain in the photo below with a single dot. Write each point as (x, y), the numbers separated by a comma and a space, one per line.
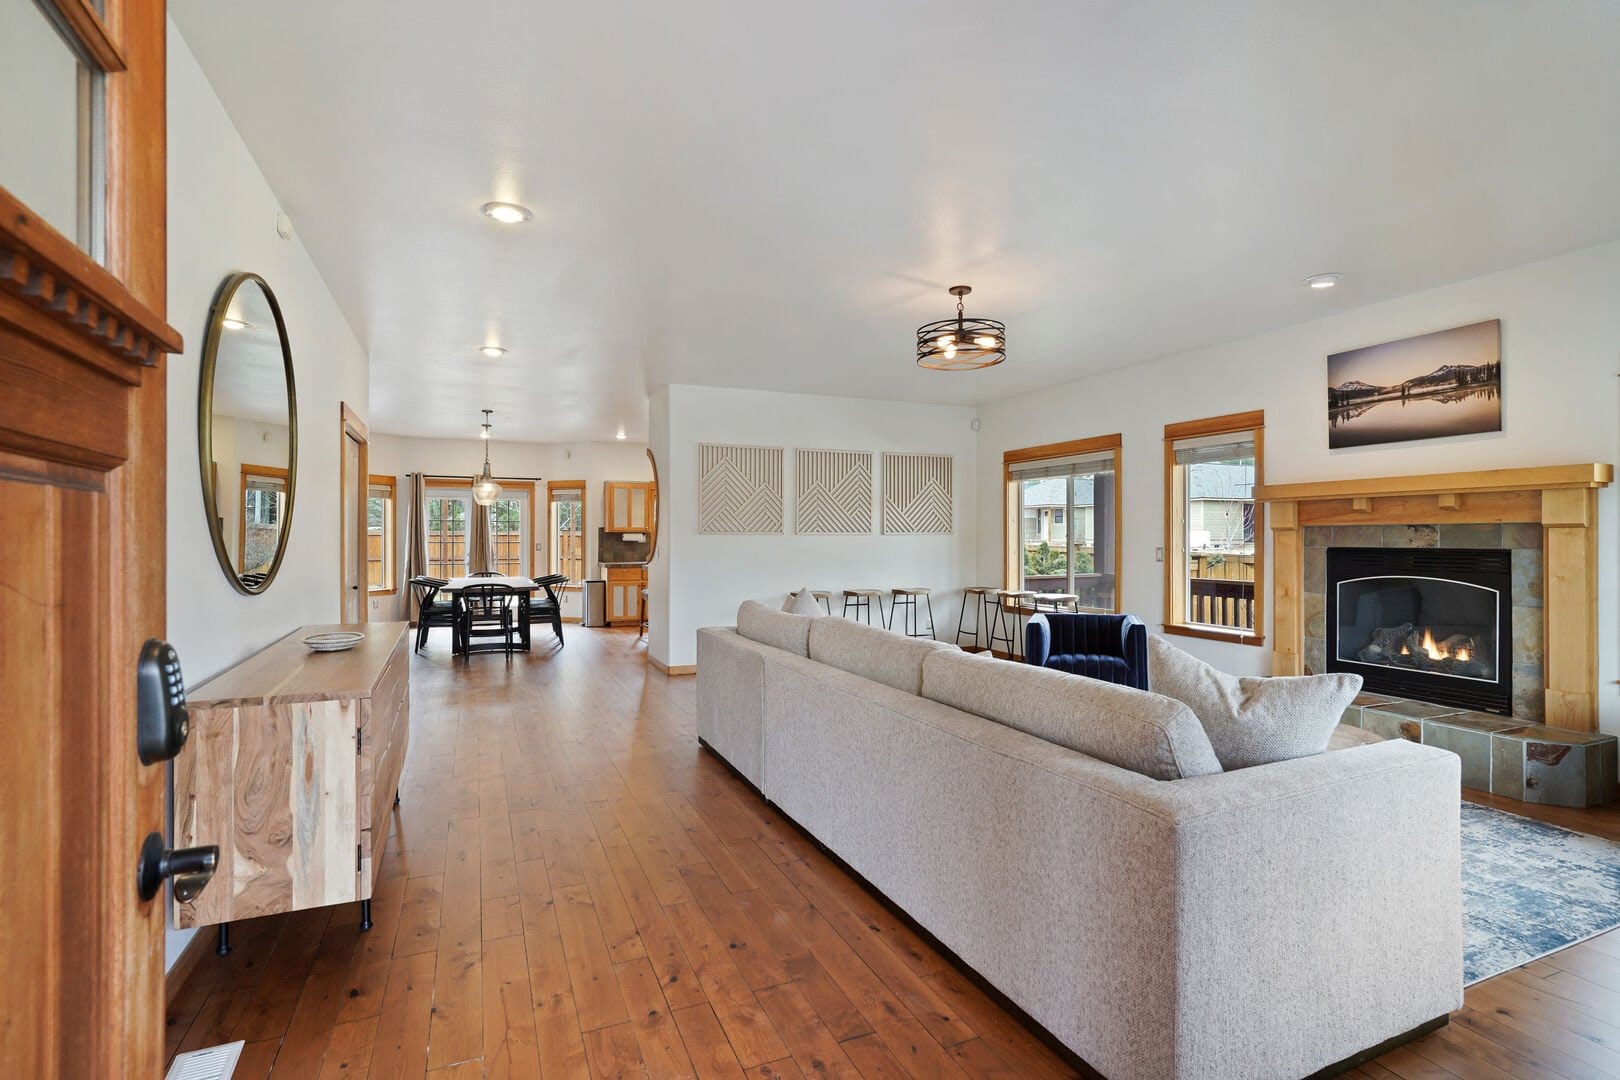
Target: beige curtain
(416, 546)
(480, 552)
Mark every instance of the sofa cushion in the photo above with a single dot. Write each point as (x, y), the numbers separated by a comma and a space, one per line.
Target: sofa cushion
(764, 624)
(1146, 733)
(880, 655)
(802, 602)
(1253, 721)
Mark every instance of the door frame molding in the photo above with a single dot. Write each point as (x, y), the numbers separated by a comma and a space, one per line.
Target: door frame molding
(353, 427)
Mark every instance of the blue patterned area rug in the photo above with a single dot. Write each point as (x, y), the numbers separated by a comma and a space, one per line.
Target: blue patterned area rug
(1529, 889)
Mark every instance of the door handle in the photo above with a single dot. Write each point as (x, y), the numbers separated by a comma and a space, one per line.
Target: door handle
(190, 868)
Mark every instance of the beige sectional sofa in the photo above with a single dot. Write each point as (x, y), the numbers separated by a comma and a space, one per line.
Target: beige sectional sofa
(1263, 923)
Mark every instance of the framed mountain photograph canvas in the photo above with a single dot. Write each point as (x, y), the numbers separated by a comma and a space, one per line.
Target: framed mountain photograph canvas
(1428, 387)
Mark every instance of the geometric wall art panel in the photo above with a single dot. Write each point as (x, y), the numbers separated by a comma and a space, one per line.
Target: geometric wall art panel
(740, 489)
(917, 493)
(833, 491)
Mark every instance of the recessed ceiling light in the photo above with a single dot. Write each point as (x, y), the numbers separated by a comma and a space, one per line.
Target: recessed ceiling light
(1323, 281)
(620, 435)
(230, 322)
(507, 213)
(492, 351)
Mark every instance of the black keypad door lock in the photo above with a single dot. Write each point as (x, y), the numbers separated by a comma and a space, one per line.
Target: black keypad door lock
(190, 868)
(161, 722)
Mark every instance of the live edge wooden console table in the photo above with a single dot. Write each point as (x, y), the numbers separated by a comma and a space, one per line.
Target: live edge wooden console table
(291, 767)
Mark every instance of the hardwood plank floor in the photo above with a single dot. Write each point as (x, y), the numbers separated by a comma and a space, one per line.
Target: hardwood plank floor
(573, 888)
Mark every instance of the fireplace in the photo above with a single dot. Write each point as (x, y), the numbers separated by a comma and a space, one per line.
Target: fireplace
(1425, 623)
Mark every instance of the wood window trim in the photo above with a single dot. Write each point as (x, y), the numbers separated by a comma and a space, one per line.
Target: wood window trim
(1012, 535)
(100, 46)
(390, 536)
(247, 470)
(1175, 621)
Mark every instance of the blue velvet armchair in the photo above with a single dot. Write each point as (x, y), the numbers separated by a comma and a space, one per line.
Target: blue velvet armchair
(1112, 648)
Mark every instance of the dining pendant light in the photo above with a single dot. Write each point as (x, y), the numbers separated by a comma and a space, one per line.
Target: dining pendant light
(961, 344)
(485, 490)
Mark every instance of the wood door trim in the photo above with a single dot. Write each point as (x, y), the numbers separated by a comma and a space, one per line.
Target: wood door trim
(352, 421)
(66, 287)
(352, 427)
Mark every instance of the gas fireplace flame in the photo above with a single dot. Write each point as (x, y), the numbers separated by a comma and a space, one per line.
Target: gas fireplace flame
(1434, 651)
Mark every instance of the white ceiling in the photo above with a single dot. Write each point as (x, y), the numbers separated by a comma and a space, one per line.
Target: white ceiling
(766, 195)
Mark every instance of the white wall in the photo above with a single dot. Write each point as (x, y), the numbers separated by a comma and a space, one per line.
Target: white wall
(593, 462)
(221, 220)
(698, 580)
(1560, 354)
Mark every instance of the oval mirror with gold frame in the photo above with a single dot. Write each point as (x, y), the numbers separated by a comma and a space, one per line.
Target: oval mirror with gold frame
(247, 432)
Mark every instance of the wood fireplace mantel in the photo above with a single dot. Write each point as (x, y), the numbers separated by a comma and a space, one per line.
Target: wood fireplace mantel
(1562, 499)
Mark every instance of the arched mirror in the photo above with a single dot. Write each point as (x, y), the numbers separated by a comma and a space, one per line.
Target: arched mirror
(247, 432)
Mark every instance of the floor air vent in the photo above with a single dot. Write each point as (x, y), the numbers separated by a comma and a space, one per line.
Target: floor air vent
(214, 1063)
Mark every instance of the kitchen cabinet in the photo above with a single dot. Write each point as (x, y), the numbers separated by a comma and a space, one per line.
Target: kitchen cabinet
(627, 505)
(624, 585)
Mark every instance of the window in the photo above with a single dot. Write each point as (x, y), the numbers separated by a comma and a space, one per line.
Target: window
(567, 516)
(447, 515)
(1214, 545)
(54, 61)
(506, 524)
(264, 504)
(380, 541)
(449, 519)
(1063, 515)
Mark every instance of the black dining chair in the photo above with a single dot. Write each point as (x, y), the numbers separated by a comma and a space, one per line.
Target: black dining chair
(430, 610)
(486, 573)
(487, 612)
(548, 610)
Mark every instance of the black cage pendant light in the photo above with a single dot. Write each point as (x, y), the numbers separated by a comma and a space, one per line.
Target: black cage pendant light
(961, 344)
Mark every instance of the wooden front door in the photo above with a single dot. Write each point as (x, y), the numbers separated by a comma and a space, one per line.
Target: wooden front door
(82, 464)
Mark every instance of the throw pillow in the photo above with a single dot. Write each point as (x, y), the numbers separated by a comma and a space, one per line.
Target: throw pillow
(803, 602)
(1253, 721)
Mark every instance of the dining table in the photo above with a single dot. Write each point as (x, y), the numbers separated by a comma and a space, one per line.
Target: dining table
(523, 586)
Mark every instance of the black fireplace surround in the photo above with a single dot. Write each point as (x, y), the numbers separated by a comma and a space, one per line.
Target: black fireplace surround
(1432, 624)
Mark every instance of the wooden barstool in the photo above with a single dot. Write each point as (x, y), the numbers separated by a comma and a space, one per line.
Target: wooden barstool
(975, 595)
(641, 629)
(1058, 601)
(825, 596)
(861, 600)
(1021, 600)
(907, 599)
